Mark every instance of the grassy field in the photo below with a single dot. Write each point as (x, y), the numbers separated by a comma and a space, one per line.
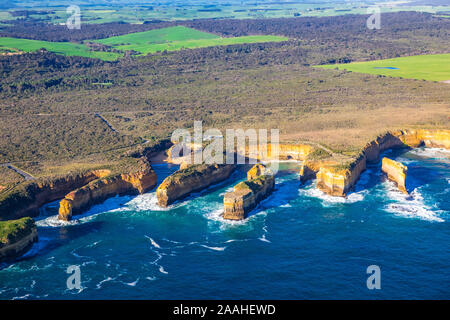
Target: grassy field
(435, 67)
(64, 48)
(176, 38)
(170, 39)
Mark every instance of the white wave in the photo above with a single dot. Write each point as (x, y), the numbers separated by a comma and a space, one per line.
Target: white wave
(99, 285)
(264, 239)
(151, 278)
(153, 242)
(217, 216)
(161, 269)
(116, 202)
(226, 190)
(158, 257)
(149, 202)
(213, 248)
(237, 240)
(433, 153)
(332, 200)
(53, 221)
(404, 161)
(28, 295)
(409, 206)
(287, 205)
(94, 244)
(77, 255)
(132, 284)
(171, 241)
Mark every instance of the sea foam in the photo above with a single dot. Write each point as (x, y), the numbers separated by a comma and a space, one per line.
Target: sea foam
(409, 206)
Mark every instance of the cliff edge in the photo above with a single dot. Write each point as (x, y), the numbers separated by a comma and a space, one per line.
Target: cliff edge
(140, 180)
(16, 237)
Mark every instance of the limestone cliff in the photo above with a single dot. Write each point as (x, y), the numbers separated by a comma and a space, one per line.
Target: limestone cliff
(16, 237)
(284, 152)
(338, 178)
(395, 172)
(191, 179)
(138, 181)
(247, 194)
(26, 199)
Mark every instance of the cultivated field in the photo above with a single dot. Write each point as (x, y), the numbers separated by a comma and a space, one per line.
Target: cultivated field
(64, 48)
(176, 38)
(433, 67)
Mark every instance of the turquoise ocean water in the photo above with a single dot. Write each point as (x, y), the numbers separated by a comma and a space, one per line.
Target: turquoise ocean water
(298, 244)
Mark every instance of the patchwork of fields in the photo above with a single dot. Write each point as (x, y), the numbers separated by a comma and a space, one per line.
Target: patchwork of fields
(177, 38)
(433, 67)
(170, 39)
(231, 9)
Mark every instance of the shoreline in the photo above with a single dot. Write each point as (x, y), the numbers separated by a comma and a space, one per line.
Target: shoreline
(334, 177)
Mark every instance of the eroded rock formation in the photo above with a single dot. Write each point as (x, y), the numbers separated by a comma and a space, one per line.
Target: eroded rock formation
(26, 199)
(247, 194)
(191, 179)
(337, 179)
(396, 172)
(16, 237)
(140, 180)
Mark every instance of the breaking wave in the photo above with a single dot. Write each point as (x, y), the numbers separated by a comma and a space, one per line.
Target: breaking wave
(410, 206)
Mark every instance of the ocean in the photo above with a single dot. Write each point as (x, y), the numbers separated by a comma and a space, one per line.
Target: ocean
(297, 244)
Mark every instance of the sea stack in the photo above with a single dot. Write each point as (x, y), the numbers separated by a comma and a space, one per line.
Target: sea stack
(247, 194)
(190, 179)
(395, 172)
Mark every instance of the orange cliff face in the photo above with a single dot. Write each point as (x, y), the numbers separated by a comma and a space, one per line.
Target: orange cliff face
(191, 179)
(26, 200)
(247, 194)
(395, 172)
(139, 181)
(284, 152)
(337, 181)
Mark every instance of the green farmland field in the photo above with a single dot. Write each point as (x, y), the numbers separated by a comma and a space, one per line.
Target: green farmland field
(176, 38)
(434, 67)
(64, 48)
(170, 39)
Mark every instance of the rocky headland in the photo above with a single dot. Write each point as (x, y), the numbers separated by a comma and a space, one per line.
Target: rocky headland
(140, 180)
(338, 178)
(16, 237)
